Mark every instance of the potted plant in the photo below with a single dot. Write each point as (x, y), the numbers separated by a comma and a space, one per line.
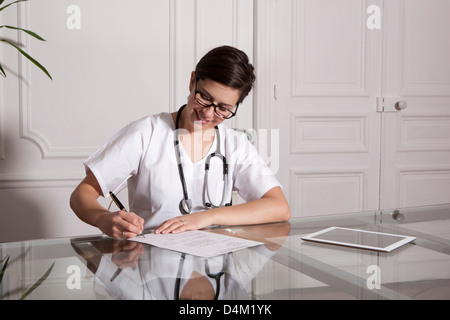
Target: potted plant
(4, 265)
(9, 42)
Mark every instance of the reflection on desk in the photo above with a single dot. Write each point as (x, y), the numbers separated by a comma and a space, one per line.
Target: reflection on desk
(161, 274)
(285, 268)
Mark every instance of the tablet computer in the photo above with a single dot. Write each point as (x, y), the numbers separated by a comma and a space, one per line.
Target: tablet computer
(359, 238)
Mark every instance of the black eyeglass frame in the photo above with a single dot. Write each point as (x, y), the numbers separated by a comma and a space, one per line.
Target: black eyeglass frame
(233, 113)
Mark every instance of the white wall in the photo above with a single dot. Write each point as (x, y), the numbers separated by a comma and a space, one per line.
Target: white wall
(125, 61)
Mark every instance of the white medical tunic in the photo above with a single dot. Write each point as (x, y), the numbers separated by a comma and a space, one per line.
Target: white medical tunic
(143, 155)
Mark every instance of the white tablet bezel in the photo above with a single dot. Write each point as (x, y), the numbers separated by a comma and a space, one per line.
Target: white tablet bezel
(402, 239)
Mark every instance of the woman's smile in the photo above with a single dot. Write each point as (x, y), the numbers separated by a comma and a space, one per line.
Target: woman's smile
(199, 118)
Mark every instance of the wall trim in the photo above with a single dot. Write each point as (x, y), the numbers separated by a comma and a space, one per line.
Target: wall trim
(52, 180)
(26, 130)
(264, 51)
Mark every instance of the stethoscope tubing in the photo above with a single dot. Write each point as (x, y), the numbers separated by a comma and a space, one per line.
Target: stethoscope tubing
(207, 202)
(185, 205)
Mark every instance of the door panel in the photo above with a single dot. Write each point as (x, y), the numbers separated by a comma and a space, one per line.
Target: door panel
(416, 139)
(347, 144)
(326, 80)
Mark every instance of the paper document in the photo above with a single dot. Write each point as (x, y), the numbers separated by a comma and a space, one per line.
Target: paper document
(198, 243)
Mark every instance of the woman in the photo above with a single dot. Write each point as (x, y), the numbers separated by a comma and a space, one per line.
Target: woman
(144, 154)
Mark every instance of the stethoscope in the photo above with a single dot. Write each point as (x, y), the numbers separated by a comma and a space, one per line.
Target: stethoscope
(216, 276)
(185, 205)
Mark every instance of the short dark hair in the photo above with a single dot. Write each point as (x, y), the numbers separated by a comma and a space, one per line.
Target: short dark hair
(229, 66)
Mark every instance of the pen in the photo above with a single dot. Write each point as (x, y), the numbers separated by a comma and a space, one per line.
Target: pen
(121, 207)
(117, 201)
(114, 276)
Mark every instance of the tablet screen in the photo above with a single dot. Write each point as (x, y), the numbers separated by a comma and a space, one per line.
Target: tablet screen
(359, 238)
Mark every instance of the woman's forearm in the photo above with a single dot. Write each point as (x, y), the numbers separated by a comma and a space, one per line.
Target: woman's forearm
(272, 207)
(119, 224)
(83, 202)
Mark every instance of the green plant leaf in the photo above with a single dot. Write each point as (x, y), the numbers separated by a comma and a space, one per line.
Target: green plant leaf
(28, 57)
(2, 8)
(31, 33)
(38, 283)
(3, 269)
(2, 71)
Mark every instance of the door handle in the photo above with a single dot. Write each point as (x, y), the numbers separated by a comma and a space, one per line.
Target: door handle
(400, 105)
(390, 104)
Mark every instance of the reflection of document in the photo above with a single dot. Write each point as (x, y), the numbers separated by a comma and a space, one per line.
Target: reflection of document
(198, 243)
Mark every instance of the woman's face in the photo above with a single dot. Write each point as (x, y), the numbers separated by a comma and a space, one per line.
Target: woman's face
(217, 93)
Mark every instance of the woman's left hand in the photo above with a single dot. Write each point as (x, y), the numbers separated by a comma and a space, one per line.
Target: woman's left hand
(193, 221)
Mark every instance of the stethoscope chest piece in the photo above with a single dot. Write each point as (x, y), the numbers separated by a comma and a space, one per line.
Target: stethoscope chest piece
(185, 206)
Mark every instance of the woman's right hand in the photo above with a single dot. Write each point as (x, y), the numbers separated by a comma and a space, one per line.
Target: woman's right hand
(127, 254)
(121, 224)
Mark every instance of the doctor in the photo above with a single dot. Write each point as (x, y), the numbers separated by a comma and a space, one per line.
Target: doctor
(174, 163)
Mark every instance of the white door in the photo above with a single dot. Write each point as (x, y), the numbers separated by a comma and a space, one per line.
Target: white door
(319, 94)
(416, 157)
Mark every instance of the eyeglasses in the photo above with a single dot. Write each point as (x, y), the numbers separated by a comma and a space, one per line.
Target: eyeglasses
(206, 102)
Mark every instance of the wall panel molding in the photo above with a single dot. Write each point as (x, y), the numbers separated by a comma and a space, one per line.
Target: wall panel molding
(329, 133)
(329, 78)
(105, 83)
(27, 131)
(339, 185)
(420, 75)
(422, 185)
(423, 132)
(265, 52)
(40, 180)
